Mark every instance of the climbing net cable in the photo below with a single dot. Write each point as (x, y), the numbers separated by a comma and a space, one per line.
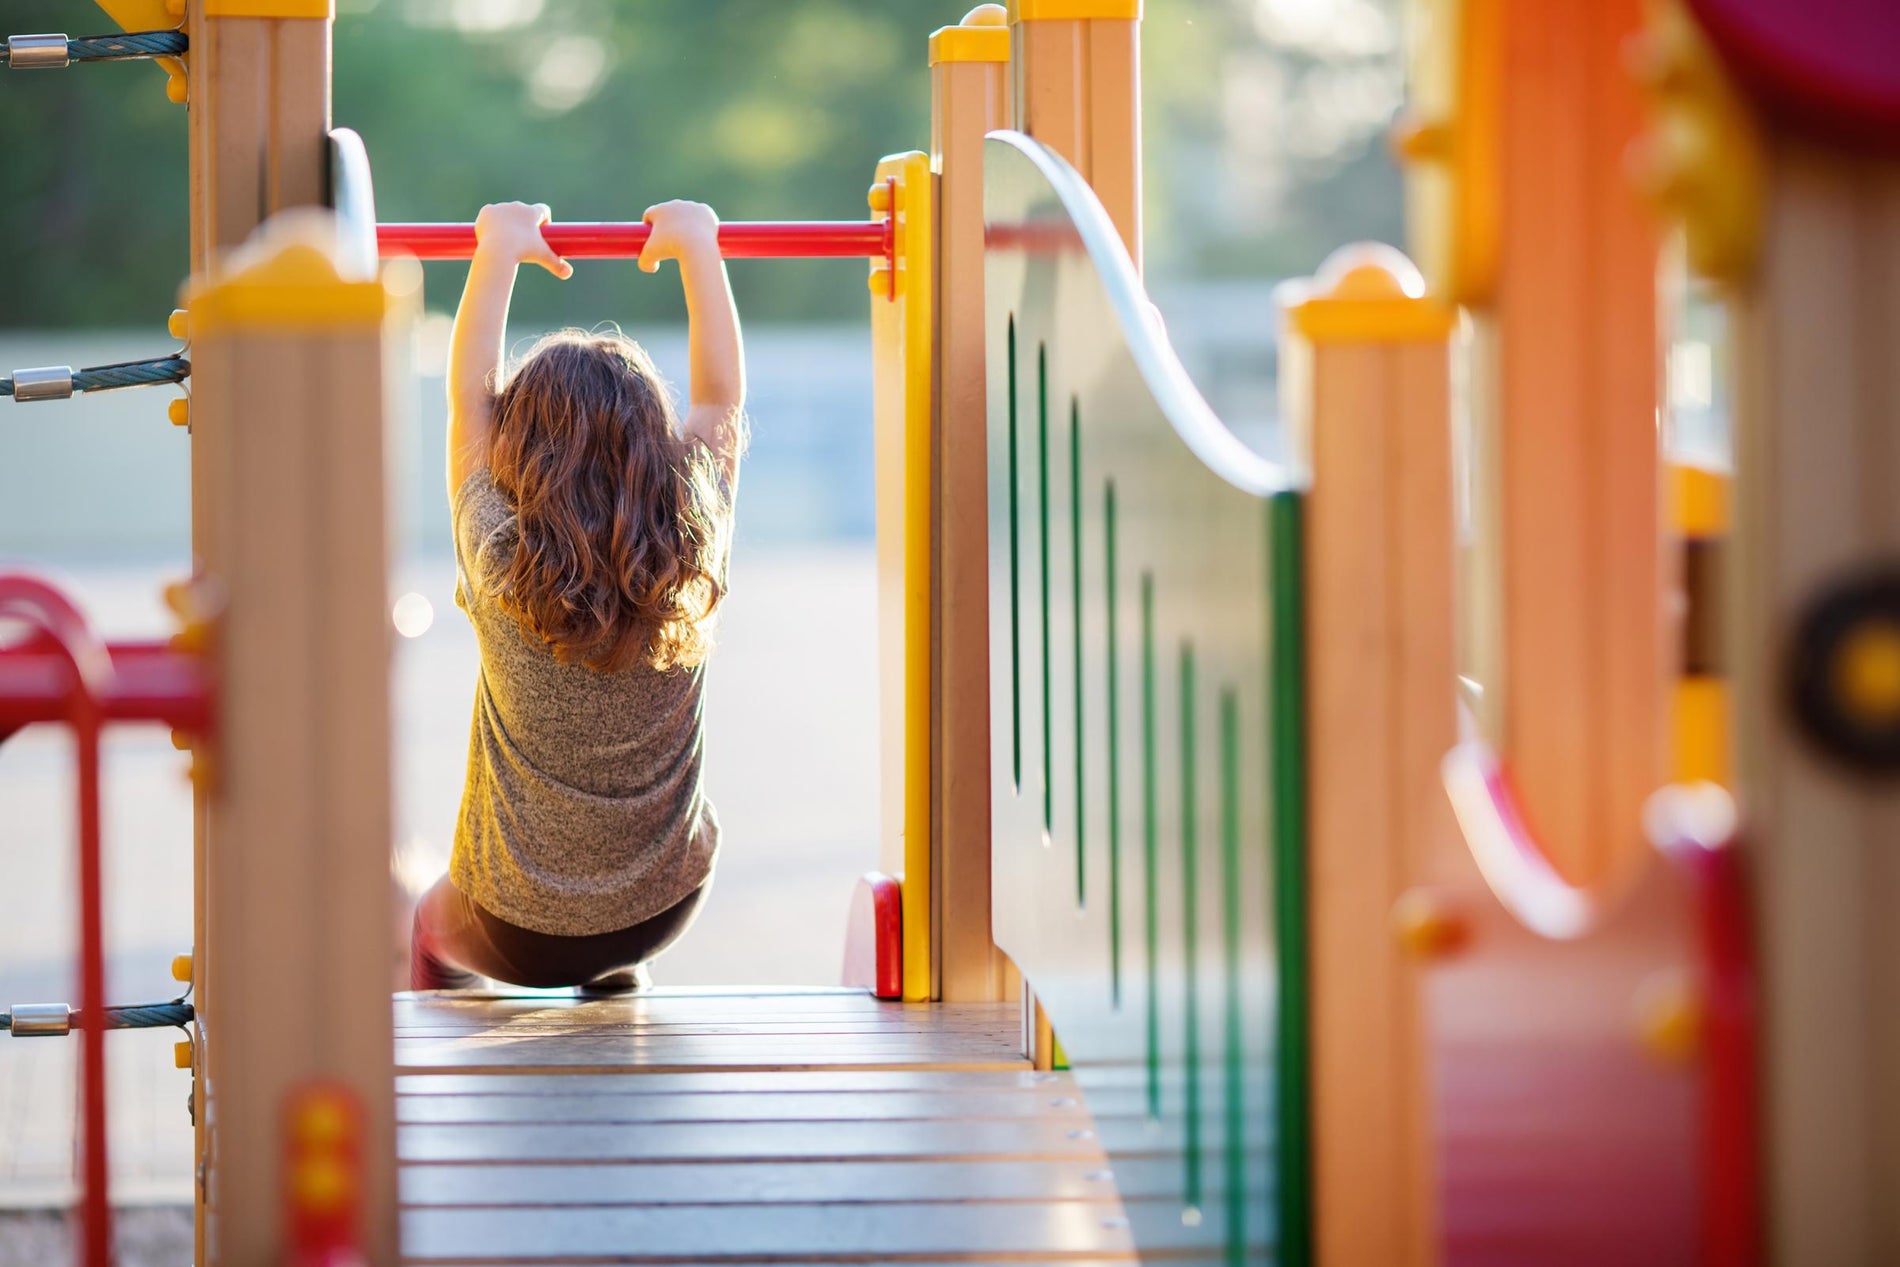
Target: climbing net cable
(52, 52)
(57, 382)
(44, 1020)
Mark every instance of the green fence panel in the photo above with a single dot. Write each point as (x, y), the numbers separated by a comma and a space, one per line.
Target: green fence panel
(1145, 694)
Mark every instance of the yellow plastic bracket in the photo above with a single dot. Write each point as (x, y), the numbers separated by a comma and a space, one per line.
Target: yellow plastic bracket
(181, 968)
(1073, 10)
(982, 36)
(1700, 162)
(903, 330)
(289, 280)
(154, 15)
(181, 1054)
(1448, 140)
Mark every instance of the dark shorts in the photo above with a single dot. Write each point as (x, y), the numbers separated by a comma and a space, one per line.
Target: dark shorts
(453, 940)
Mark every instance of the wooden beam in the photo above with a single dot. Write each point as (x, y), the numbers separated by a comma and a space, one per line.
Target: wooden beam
(969, 81)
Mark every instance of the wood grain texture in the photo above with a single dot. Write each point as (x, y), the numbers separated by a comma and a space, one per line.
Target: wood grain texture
(712, 1162)
(1817, 462)
(968, 100)
(1380, 718)
(826, 1233)
(1580, 556)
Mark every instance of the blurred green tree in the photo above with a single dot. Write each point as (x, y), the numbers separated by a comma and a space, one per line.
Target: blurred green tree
(763, 108)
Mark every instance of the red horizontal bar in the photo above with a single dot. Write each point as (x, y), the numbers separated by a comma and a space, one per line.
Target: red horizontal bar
(150, 682)
(607, 240)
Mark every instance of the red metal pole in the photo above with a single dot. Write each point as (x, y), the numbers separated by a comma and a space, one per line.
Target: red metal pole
(605, 240)
(97, 1249)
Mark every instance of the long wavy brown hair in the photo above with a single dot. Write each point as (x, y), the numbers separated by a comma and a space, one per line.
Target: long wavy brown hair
(621, 524)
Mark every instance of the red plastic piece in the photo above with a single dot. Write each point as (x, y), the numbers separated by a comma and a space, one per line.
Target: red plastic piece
(874, 937)
(1731, 1137)
(608, 240)
(61, 671)
(1835, 63)
(1566, 1134)
(323, 1176)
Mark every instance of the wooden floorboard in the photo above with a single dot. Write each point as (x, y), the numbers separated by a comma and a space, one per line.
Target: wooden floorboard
(757, 1183)
(808, 1081)
(739, 1106)
(811, 1233)
(740, 1126)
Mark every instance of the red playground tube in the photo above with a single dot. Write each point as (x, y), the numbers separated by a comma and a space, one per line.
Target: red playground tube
(607, 240)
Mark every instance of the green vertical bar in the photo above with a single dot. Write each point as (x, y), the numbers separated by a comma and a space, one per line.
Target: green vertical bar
(1286, 677)
(1233, 1058)
(1042, 503)
(1191, 926)
(1114, 753)
(1150, 843)
(1015, 584)
(1075, 597)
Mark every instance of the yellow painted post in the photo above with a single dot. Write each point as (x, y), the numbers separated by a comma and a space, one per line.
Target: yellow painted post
(1369, 359)
(1699, 515)
(294, 366)
(969, 81)
(1076, 66)
(902, 335)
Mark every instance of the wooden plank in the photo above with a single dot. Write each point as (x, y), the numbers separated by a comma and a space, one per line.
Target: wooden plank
(607, 1022)
(739, 1106)
(779, 1233)
(720, 1183)
(968, 100)
(738, 1141)
(805, 1081)
(1815, 411)
(1112, 48)
(425, 1058)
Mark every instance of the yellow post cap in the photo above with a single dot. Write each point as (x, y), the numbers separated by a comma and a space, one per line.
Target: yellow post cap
(982, 36)
(318, 9)
(1369, 292)
(1073, 10)
(181, 968)
(181, 1054)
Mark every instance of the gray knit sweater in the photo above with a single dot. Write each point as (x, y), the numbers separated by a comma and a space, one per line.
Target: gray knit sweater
(583, 810)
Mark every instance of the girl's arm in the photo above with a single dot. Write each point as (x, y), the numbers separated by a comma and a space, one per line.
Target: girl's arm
(507, 235)
(715, 415)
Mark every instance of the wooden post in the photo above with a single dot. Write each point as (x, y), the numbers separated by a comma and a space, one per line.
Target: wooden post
(1817, 464)
(258, 100)
(1801, 225)
(293, 361)
(1370, 361)
(1540, 233)
(1077, 83)
(260, 114)
(969, 82)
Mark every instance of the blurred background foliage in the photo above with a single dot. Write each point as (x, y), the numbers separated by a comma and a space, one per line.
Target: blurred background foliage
(1265, 123)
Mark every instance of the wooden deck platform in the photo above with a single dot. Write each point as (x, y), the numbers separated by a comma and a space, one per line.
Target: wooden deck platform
(736, 1127)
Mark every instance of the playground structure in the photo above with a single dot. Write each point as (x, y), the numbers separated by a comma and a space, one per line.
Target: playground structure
(1414, 857)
